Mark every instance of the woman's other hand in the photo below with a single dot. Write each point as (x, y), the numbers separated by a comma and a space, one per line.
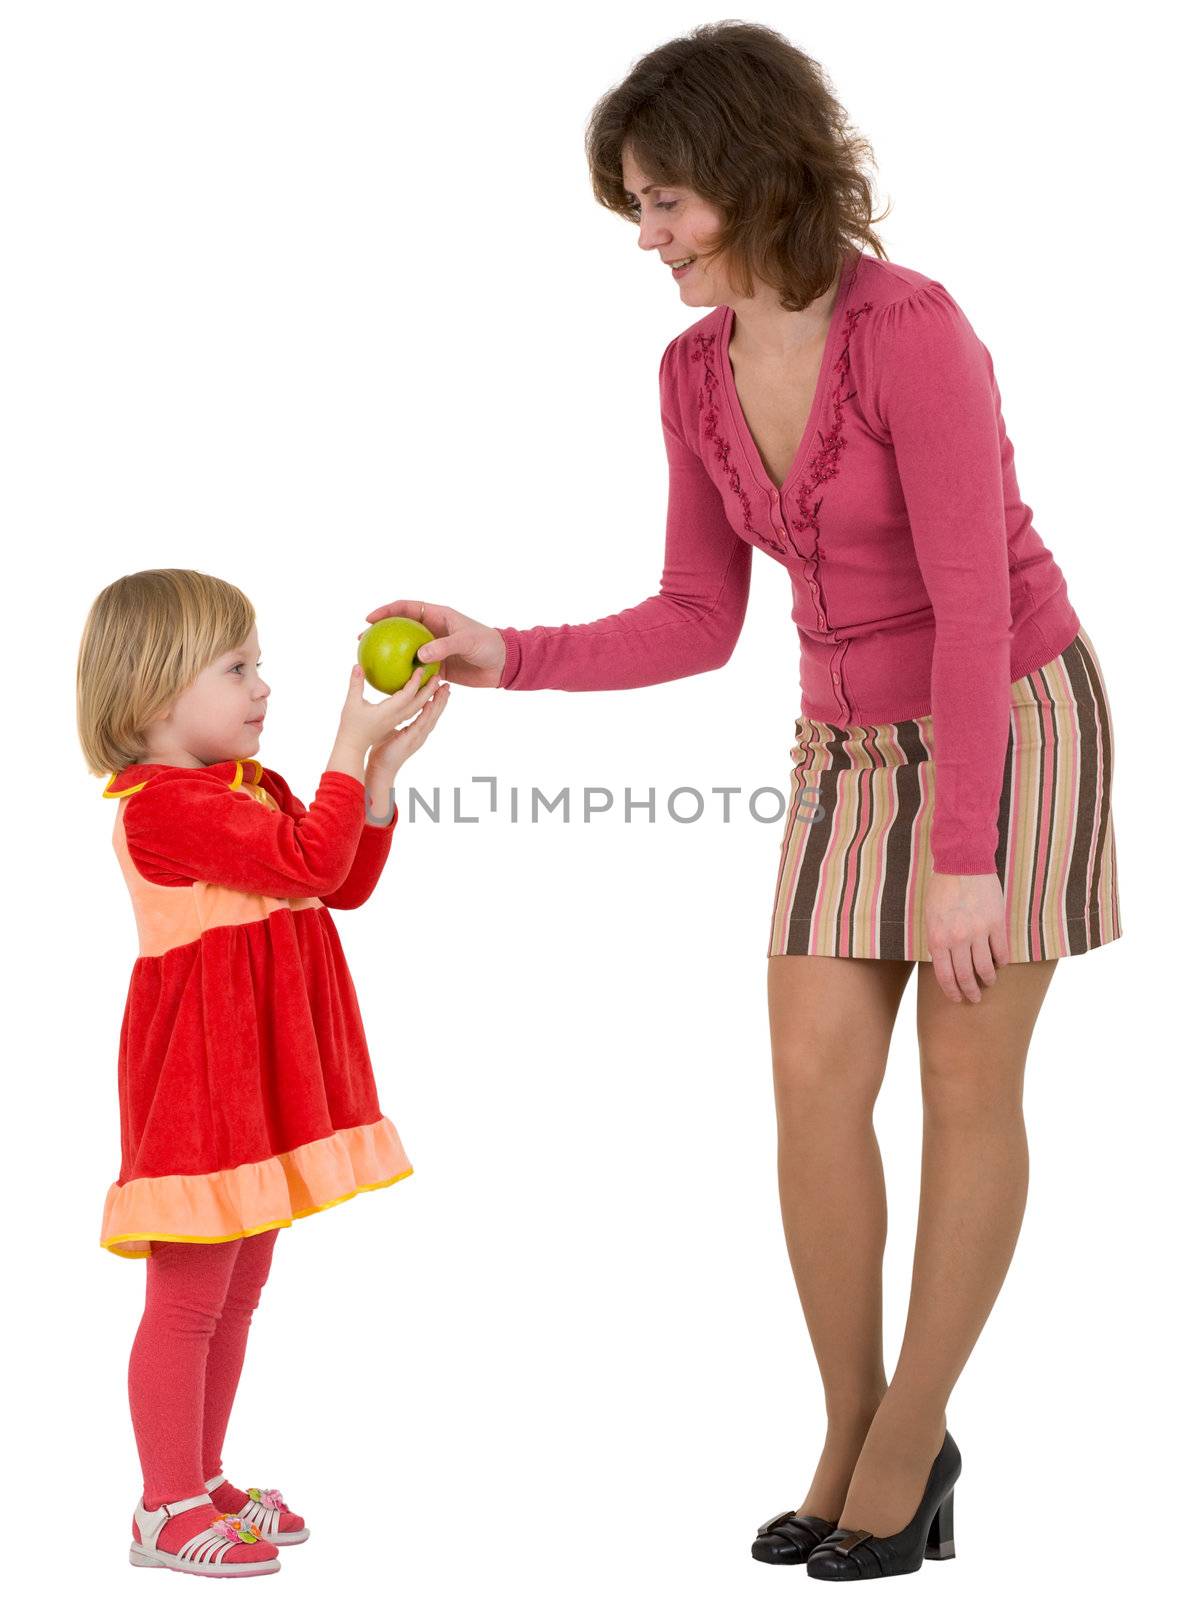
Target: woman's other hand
(471, 653)
(966, 932)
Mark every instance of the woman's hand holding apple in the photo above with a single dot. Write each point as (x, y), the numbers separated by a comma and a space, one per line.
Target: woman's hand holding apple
(472, 654)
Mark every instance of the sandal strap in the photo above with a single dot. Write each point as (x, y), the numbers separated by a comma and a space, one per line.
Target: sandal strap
(215, 1542)
(174, 1507)
(149, 1523)
(215, 1482)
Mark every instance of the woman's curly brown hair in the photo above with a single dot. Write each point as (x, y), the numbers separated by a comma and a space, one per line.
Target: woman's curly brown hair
(749, 122)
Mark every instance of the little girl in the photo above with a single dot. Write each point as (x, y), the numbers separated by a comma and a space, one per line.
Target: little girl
(246, 1093)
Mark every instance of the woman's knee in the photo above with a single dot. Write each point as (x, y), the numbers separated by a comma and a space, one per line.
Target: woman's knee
(968, 1090)
(972, 1058)
(813, 1086)
(831, 1022)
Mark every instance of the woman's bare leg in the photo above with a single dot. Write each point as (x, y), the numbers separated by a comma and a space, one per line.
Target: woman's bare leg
(974, 1179)
(831, 1019)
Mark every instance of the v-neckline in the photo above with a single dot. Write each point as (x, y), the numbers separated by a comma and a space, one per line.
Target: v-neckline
(738, 417)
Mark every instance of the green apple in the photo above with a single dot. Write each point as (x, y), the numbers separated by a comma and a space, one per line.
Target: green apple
(387, 653)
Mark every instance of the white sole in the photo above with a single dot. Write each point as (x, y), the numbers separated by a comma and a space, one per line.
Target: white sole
(141, 1557)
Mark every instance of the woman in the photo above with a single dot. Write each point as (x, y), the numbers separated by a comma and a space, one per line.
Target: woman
(951, 787)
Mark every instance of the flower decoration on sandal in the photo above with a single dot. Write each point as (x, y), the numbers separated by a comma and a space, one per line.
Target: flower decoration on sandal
(234, 1529)
(272, 1499)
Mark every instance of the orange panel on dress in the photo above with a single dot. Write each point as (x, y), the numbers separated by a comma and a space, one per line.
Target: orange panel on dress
(169, 915)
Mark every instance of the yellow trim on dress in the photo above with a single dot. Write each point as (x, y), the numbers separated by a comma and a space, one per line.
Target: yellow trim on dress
(235, 1202)
(117, 794)
(238, 773)
(169, 1238)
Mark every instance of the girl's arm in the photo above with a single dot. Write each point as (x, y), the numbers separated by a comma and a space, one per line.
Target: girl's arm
(373, 844)
(189, 826)
(691, 626)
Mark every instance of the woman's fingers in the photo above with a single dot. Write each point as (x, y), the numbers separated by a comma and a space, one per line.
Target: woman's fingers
(982, 961)
(966, 932)
(437, 618)
(414, 609)
(945, 973)
(961, 960)
(397, 608)
(439, 648)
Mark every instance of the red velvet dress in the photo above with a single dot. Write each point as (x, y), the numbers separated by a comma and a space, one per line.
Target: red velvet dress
(246, 1092)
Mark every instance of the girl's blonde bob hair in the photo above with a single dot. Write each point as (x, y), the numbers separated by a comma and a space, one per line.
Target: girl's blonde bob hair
(146, 639)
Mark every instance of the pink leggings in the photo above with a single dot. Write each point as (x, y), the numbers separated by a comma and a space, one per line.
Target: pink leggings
(187, 1357)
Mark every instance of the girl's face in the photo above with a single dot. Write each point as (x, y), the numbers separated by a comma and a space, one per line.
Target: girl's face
(218, 717)
(677, 222)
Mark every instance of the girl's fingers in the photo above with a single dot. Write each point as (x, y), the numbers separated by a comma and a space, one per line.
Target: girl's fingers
(411, 737)
(432, 709)
(409, 695)
(422, 698)
(426, 719)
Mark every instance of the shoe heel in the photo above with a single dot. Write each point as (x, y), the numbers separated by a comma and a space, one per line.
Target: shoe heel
(940, 1537)
(139, 1559)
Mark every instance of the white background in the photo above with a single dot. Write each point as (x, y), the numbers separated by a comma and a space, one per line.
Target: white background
(316, 298)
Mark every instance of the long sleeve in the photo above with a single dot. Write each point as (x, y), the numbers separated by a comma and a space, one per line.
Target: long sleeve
(373, 848)
(188, 826)
(690, 626)
(938, 400)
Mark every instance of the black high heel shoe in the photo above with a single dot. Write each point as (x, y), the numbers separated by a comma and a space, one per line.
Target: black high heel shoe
(787, 1538)
(854, 1553)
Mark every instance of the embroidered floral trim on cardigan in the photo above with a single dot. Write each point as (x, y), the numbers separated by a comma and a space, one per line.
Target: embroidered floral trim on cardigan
(709, 411)
(826, 458)
(825, 461)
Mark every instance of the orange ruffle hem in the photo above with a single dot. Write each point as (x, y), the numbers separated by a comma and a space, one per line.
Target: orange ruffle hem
(212, 1207)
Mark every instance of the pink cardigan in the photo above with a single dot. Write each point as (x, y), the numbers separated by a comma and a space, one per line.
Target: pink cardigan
(919, 584)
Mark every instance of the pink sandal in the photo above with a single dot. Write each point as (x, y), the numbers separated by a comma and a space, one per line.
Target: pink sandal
(205, 1553)
(266, 1511)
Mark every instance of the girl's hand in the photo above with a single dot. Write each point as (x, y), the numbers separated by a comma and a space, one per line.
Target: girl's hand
(386, 759)
(472, 654)
(964, 919)
(363, 724)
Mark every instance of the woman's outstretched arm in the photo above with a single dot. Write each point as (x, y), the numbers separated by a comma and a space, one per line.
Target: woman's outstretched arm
(691, 625)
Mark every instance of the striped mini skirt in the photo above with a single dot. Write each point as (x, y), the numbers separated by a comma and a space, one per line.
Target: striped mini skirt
(855, 857)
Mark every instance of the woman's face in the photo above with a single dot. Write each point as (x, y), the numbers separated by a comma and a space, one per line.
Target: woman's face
(218, 717)
(676, 222)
